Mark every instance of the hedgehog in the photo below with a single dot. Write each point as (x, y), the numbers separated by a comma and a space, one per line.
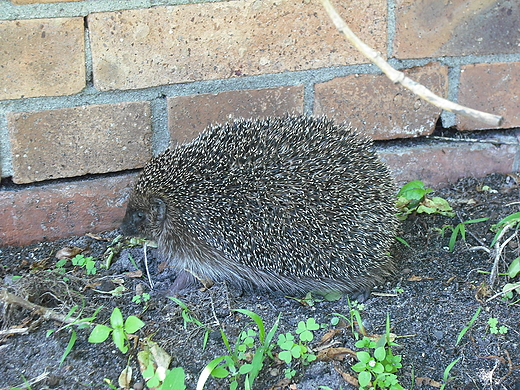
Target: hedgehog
(294, 204)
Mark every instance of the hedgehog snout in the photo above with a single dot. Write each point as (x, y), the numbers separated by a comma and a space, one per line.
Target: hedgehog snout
(133, 221)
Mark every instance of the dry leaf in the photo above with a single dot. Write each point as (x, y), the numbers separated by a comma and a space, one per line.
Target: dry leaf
(329, 335)
(125, 378)
(68, 252)
(335, 354)
(420, 381)
(134, 274)
(352, 380)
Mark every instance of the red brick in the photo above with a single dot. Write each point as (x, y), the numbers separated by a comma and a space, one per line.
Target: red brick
(440, 164)
(176, 44)
(432, 28)
(189, 115)
(80, 140)
(41, 57)
(378, 108)
(492, 88)
(61, 210)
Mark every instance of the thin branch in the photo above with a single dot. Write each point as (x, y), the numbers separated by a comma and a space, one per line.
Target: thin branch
(498, 251)
(503, 292)
(399, 77)
(472, 140)
(45, 312)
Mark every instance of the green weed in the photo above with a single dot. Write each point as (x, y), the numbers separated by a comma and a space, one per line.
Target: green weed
(494, 328)
(188, 317)
(460, 229)
(120, 330)
(412, 198)
(377, 364)
(78, 261)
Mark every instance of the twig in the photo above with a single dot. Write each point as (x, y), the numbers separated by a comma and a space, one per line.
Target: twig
(472, 140)
(8, 332)
(146, 266)
(503, 292)
(31, 382)
(399, 77)
(469, 231)
(44, 312)
(498, 251)
(480, 248)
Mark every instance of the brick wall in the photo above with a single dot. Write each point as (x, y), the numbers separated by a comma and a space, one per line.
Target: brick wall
(90, 90)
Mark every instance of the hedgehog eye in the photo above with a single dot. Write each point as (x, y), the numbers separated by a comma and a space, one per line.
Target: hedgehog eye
(139, 216)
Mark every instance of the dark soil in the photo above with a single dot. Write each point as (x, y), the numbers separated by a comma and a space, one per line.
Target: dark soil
(431, 299)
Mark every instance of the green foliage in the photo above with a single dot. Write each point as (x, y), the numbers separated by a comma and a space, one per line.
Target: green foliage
(468, 326)
(246, 359)
(412, 198)
(353, 319)
(377, 364)
(512, 220)
(459, 229)
(79, 323)
(79, 261)
(514, 268)
(143, 298)
(290, 349)
(446, 375)
(174, 379)
(494, 328)
(189, 318)
(120, 243)
(120, 330)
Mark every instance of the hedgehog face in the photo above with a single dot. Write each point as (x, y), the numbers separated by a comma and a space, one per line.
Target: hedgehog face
(145, 216)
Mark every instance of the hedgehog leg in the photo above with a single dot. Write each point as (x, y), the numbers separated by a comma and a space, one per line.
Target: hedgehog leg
(360, 295)
(183, 281)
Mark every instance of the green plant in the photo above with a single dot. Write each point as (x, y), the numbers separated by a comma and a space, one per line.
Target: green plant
(119, 243)
(412, 198)
(144, 297)
(26, 385)
(459, 229)
(120, 330)
(187, 317)
(511, 221)
(494, 328)
(353, 319)
(154, 363)
(80, 323)
(233, 365)
(173, 379)
(446, 373)
(297, 350)
(468, 326)
(79, 261)
(377, 364)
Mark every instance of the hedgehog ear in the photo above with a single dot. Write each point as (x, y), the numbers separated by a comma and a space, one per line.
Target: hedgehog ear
(160, 209)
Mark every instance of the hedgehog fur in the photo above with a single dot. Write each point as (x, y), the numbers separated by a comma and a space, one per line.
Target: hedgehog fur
(294, 204)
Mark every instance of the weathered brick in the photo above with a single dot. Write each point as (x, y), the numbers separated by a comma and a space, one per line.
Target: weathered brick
(431, 28)
(62, 210)
(41, 57)
(183, 43)
(378, 108)
(440, 164)
(80, 140)
(189, 115)
(492, 88)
